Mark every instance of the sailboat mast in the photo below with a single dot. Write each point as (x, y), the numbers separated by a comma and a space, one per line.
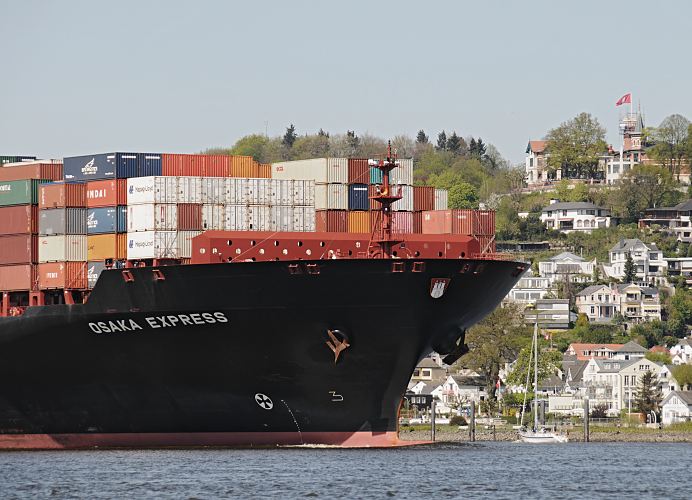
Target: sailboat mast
(535, 378)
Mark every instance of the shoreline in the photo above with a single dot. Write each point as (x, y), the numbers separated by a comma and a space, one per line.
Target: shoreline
(575, 435)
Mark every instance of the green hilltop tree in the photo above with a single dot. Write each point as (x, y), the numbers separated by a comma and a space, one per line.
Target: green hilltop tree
(671, 143)
(576, 145)
(250, 145)
(290, 136)
(442, 141)
(421, 138)
(683, 376)
(548, 363)
(630, 270)
(648, 395)
(454, 143)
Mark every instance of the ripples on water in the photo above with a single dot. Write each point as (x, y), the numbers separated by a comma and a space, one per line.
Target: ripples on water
(488, 470)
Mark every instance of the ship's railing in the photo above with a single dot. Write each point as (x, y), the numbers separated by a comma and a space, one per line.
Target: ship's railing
(492, 256)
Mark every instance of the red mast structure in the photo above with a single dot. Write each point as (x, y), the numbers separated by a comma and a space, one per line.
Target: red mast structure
(384, 241)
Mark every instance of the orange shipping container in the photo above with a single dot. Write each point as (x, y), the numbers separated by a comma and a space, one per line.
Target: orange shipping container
(46, 170)
(359, 222)
(107, 246)
(195, 165)
(244, 166)
(436, 222)
(66, 275)
(14, 278)
(106, 193)
(264, 171)
(61, 195)
(423, 198)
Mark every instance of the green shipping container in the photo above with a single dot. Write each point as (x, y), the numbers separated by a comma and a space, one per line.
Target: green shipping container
(19, 192)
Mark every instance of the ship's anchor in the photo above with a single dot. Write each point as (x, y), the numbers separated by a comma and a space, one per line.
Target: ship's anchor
(338, 341)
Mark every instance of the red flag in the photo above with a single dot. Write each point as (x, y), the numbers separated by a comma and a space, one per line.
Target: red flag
(625, 99)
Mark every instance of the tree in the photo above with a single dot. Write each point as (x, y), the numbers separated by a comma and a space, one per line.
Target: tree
(322, 133)
(683, 376)
(421, 138)
(658, 357)
(454, 143)
(548, 363)
(352, 140)
(599, 411)
(575, 146)
(477, 148)
(290, 136)
(494, 341)
(462, 195)
(630, 270)
(671, 143)
(250, 145)
(648, 395)
(442, 141)
(644, 186)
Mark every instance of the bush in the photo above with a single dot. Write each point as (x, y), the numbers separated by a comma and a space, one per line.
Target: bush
(457, 420)
(599, 411)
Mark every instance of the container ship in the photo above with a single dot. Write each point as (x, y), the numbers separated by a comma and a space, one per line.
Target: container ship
(154, 300)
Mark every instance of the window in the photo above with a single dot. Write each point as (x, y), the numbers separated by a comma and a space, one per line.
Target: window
(530, 162)
(592, 310)
(627, 380)
(634, 380)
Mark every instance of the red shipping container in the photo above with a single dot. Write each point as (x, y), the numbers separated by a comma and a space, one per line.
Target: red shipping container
(485, 224)
(106, 193)
(61, 195)
(464, 221)
(417, 222)
(19, 219)
(189, 217)
(331, 221)
(487, 244)
(66, 275)
(15, 278)
(402, 222)
(423, 198)
(18, 249)
(195, 165)
(436, 222)
(46, 170)
(358, 171)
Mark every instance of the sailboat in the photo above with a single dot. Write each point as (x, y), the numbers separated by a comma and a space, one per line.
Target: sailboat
(536, 435)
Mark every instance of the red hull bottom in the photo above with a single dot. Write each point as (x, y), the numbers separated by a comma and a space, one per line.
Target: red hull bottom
(201, 439)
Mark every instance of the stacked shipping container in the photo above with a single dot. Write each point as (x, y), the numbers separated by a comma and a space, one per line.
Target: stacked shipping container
(20, 178)
(62, 242)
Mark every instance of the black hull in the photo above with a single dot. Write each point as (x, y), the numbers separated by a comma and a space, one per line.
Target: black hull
(187, 377)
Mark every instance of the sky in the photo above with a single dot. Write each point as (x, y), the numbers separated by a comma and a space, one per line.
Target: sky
(81, 77)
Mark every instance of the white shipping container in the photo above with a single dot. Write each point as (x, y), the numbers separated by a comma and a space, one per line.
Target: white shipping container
(281, 218)
(214, 189)
(213, 217)
(441, 199)
(152, 245)
(331, 196)
(403, 174)
(405, 204)
(184, 243)
(259, 218)
(152, 190)
(257, 191)
(320, 170)
(304, 219)
(281, 192)
(303, 193)
(151, 217)
(189, 190)
(62, 248)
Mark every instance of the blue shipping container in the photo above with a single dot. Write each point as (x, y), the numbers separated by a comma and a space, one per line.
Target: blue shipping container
(148, 164)
(100, 166)
(375, 176)
(358, 197)
(107, 220)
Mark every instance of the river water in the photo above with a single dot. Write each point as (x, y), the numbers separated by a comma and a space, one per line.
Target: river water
(473, 470)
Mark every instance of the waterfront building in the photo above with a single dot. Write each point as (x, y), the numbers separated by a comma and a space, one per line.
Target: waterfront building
(579, 216)
(429, 372)
(676, 220)
(551, 314)
(586, 351)
(650, 267)
(676, 407)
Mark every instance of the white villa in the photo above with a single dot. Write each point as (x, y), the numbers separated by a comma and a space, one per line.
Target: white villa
(676, 407)
(529, 289)
(650, 266)
(601, 303)
(567, 266)
(682, 351)
(575, 216)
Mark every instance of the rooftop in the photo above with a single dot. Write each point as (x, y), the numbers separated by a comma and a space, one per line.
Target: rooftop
(686, 396)
(567, 256)
(536, 146)
(628, 245)
(632, 347)
(571, 205)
